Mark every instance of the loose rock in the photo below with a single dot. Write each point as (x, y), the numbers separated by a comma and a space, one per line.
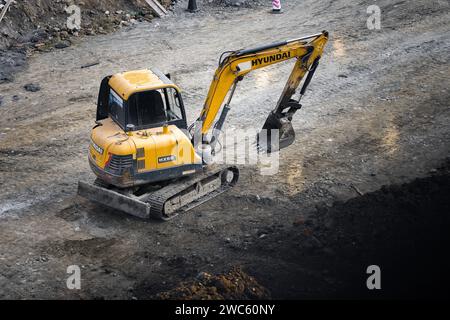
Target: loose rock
(62, 44)
(31, 87)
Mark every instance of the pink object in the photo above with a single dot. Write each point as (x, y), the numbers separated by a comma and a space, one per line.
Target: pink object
(276, 4)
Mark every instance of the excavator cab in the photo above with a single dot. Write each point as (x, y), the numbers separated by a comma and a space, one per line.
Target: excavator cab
(140, 134)
(144, 109)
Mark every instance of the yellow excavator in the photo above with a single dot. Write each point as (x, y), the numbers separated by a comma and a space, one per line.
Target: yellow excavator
(150, 163)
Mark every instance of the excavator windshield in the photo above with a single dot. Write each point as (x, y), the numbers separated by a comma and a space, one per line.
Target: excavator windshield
(154, 108)
(147, 109)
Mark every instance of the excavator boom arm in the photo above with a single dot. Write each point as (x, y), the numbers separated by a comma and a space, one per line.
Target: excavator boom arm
(237, 64)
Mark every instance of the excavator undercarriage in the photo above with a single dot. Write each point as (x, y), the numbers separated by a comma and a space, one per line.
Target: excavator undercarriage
(164, 200)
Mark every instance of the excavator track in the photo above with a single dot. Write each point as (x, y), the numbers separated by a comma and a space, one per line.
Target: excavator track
(188, 193)
(168, 201)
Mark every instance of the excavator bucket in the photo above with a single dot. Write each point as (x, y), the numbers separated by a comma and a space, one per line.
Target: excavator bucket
(277, 132)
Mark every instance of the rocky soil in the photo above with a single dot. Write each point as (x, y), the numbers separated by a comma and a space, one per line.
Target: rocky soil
(42, 25)
(235, 285)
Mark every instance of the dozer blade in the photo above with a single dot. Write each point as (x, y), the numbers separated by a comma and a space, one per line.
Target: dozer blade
(113, 199)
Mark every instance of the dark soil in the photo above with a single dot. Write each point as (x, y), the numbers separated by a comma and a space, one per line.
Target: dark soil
(235, 285)
(10, 62)
(401, 228)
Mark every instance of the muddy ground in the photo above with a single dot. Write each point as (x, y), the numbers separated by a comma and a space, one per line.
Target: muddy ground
(366, 181)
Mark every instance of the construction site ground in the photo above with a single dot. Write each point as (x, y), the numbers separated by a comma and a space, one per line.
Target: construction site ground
(366, 182)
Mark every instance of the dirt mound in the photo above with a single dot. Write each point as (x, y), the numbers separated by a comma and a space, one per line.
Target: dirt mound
(36, 20)
(234, 285)
(401, 228)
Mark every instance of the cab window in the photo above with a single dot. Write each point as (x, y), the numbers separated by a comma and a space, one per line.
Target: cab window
(174, 104)
(116, 108)
(154, 107)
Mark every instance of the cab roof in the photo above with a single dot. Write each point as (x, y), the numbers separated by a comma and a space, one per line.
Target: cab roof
(127, 83)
